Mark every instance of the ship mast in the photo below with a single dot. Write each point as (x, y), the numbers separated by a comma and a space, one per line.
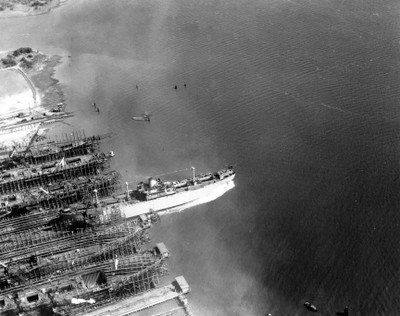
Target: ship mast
(96, 197)
(127, 190)
(193, 173)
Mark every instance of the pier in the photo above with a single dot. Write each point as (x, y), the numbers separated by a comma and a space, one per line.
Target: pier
(149, 299)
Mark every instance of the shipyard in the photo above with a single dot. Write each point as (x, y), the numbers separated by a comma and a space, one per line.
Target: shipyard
(74, 239)
(105, 107)
(68, 240)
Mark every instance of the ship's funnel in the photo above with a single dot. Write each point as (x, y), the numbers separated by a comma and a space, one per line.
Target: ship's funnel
(152, 182)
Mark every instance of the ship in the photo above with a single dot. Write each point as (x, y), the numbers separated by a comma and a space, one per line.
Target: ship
(156, 195)
(143, 117)
(310, 307)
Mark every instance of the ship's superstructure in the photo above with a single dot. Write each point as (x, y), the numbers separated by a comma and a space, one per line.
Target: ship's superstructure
(155, 188)
(156, 195)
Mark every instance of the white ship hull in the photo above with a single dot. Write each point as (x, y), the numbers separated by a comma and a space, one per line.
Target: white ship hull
(181, 200)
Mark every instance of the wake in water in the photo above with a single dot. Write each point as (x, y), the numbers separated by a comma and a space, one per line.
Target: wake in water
(300, 100)
(211, 197)
(336, 108)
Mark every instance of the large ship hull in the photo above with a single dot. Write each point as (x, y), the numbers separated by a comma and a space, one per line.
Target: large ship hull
(197, 194)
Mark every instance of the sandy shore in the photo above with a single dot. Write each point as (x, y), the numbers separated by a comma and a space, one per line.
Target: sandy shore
(38, 71)
(12, 10)
(42, 95)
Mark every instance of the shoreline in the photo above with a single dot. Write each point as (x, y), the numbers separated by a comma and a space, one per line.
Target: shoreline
(29, 82)
(21, 10)
(38, 71)
(47, 85)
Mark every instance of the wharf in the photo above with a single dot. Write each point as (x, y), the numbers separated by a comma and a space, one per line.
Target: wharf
(32, 123)
(144, 301)
(103, 264)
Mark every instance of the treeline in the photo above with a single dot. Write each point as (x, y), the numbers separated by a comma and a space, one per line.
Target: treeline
(9, 4)
(11, 58)
(22, 50)
(8, 61)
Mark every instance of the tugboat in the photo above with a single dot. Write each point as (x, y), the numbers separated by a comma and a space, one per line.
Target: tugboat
(344, 313)
(310, 307)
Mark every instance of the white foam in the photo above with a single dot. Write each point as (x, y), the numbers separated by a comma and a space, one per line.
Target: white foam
(215, 194)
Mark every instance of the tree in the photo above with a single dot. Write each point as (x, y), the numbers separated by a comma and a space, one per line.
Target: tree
(8, 61)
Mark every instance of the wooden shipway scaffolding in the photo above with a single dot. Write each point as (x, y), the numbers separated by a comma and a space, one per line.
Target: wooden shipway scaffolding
(47, 150)
(22, 276)
(145, 280)
(88, 284)
(121, 287)
(95, 244)
(72, 145)
(82, 190)
(126, 267)
(19, 246)
(41, 220)
(31, 221)
(33, 229)
(96, 165)
(87, 250)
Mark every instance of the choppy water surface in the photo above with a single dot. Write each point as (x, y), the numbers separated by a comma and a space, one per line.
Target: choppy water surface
(300, 96)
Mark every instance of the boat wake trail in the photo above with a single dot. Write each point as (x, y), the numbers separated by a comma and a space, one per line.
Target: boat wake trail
(215, 194)
(336, 108)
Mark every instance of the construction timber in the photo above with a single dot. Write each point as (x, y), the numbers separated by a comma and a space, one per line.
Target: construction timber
(46, 268)
(65, 169)
(66, 246)
(59, 194)
(72, 145)
(40, 149)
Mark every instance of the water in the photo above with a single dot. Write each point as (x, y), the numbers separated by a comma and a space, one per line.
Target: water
(300, 96)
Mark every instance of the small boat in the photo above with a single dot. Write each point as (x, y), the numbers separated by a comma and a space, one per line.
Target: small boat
(310, 306)
(344, 313)
(144, 117)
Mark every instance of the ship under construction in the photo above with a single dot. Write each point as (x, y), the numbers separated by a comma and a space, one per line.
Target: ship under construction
(67, 246)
